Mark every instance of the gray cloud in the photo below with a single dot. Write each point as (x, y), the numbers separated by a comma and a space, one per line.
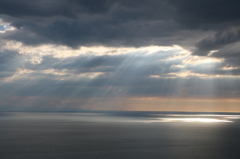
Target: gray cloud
(77, 23)
(123, 23)
(200, 26)
(123, 75)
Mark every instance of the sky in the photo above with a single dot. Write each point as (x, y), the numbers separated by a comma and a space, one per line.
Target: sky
(167, 55)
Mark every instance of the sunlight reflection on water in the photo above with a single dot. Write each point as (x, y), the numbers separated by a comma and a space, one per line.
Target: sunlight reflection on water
(113, 118)
(205, 120)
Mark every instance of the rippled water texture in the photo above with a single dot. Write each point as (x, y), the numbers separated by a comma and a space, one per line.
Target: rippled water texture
(119, 135)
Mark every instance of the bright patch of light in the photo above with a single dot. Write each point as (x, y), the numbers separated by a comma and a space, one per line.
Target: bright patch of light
(230, 68)
(187, 74)
(20, 73)
(177, 66)
(203, 115)
(194, 60)
(233, 117)
(212, 52)
(205, 120)
(190, 73)
(51, 73)
(60, 51)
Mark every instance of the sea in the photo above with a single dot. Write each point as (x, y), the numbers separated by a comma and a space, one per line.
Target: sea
(119, 135)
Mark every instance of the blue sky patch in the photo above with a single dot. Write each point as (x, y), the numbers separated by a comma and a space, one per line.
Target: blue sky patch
(2, 28)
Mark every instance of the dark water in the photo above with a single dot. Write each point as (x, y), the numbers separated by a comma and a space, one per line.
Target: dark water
(123, 136)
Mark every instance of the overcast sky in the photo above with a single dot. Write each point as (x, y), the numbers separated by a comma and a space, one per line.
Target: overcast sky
(165, 55)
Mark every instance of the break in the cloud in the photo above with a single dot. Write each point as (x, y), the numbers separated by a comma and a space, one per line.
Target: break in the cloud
(80, 53)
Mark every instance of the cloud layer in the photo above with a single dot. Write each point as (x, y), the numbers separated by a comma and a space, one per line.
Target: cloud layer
(84, 49)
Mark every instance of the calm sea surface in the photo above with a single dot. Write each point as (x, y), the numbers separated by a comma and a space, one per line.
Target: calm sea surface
(119, 136)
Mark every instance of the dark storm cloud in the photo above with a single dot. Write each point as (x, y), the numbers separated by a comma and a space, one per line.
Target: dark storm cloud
(46, 8)
(77, 23)
(231, 54)
(207, 12)
(124, 23)
(218, 41)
